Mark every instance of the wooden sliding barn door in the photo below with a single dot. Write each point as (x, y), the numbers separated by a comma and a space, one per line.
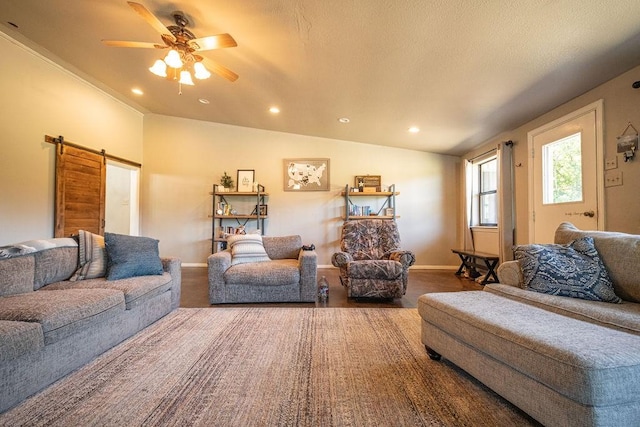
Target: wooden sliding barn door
(80, 191)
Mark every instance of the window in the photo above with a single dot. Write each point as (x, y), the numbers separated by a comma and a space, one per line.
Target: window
(488, 193)
(562, 170)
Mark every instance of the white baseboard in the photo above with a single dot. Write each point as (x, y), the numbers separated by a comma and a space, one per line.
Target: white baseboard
(414, 267)
(433, 267)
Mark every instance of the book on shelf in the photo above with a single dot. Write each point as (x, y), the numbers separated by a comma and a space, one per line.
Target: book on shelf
(356, 210)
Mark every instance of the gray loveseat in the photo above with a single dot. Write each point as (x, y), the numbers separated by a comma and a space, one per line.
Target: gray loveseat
(275, 269)
(50, 326)
(565, 361)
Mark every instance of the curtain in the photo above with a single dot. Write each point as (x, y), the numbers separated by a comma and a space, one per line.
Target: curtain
(505, 201)
(467, 179)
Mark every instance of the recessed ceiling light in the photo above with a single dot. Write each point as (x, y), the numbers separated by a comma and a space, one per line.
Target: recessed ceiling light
(137, 91)
(414, 129)
(344, 120)
(274, 110)
(203, 101)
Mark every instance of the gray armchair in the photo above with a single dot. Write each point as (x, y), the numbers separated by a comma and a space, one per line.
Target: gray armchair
(288, 276)
(371, 262)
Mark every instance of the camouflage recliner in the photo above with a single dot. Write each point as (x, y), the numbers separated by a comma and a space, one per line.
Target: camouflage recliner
(371, 263)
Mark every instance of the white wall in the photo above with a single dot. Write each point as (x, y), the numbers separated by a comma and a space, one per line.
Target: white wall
(184, 158)
(485, 239)
(38, 98)
(622, 204)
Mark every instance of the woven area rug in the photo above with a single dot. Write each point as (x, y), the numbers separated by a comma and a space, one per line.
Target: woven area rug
(270, 367)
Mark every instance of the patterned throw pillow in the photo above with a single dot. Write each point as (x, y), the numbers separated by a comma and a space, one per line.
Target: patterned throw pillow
(92, 257)
(572, 270)
(246, 248)
(131, 256)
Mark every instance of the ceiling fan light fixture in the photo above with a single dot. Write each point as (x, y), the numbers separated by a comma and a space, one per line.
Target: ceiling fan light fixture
(200, 71)
(185, 78)
(182, 44)
(159, 68)
(173, 59)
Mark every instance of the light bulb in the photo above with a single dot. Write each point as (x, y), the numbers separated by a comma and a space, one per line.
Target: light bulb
(173, 59)
(185, 78)
(159, 68)
(200, 71)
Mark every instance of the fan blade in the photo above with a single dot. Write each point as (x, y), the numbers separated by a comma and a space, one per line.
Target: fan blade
(120, 43)
(213, 42)
(151, 19)
(220, 70)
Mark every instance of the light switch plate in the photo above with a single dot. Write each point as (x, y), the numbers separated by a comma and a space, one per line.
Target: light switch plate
(611, 179)
(611, 163)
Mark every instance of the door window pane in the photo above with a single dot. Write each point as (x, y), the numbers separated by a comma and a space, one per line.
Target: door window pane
(562, 170)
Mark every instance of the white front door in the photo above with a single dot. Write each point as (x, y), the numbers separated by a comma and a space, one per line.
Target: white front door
(565, 174)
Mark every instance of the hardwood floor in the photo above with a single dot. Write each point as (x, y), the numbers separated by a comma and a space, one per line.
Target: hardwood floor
(195, 291)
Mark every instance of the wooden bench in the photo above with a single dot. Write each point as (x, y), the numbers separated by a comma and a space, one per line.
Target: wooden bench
(471, 260)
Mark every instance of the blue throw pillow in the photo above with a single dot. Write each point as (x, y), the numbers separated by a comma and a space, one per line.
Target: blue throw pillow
(131, 256)
(572, 270)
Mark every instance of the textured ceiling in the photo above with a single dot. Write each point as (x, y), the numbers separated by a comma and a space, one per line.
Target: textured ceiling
(462, 71)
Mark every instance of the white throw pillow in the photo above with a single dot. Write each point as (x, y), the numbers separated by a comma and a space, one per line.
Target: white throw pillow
(246, 248)
(92, 257)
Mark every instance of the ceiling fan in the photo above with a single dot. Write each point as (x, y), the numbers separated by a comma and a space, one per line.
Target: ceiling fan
(182, 58)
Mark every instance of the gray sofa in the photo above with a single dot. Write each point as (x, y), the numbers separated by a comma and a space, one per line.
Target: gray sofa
(50, 326)
(565, 361)
(280, 271)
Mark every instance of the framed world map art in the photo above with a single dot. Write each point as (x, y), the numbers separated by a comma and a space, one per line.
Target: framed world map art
(306, 174)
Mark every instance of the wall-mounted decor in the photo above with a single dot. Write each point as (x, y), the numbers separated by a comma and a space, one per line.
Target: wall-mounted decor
(628, 142)
(246, 177)
(306, 174)
(368, 183)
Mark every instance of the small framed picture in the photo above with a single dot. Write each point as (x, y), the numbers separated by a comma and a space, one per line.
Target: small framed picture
(368, 183)
(246, 177)
(264, 210)
(388, 212)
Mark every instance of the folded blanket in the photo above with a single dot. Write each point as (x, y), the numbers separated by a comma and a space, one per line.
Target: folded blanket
(12, 251)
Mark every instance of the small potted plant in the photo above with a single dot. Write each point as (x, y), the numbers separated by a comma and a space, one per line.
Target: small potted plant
(227, 182)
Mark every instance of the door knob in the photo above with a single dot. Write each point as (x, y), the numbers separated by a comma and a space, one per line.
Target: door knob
(590, 214)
